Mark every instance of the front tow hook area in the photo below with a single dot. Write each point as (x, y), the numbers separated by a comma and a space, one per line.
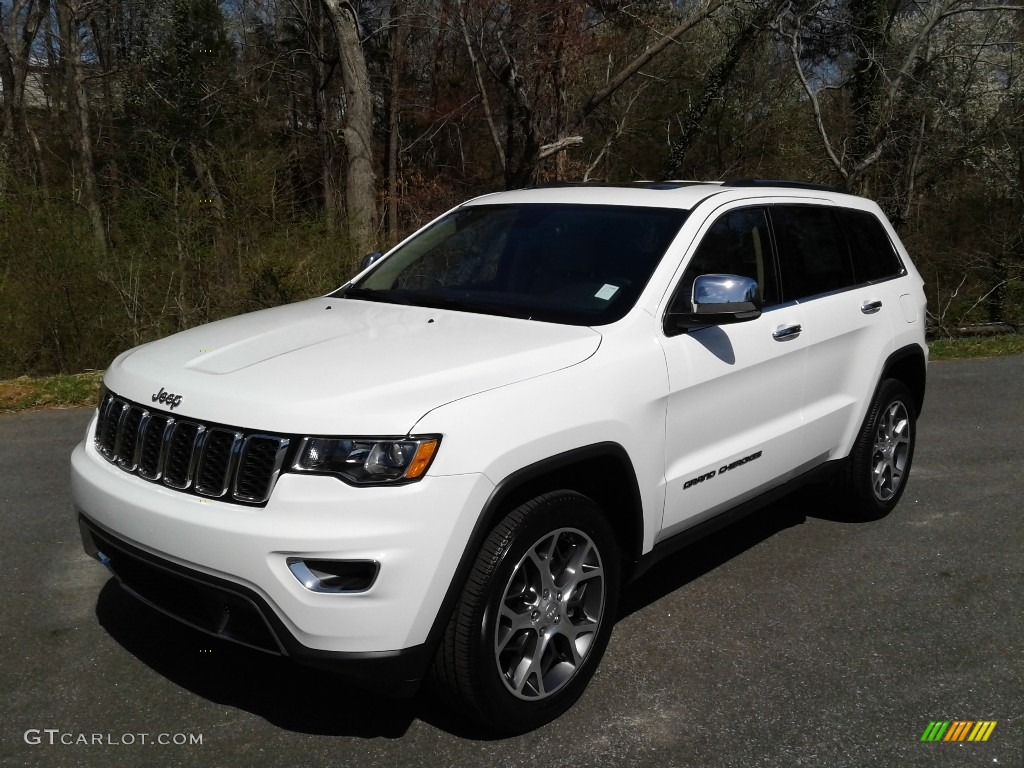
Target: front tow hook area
(105, 561)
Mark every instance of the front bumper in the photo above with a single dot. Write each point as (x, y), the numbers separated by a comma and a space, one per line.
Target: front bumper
(232, 612)
(177, 551)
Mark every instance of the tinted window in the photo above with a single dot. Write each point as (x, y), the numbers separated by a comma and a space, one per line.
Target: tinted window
(737, 244)
(874, 257)
(813, 257)
(576, 264)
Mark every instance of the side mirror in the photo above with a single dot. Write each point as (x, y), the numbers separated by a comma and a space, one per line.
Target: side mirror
(369, 259)
(718, 300)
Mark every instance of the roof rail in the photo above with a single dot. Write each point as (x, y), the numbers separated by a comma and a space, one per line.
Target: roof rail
(646, 184)
(785, 183)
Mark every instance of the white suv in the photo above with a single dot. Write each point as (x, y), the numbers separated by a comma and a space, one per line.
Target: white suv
(451, 465)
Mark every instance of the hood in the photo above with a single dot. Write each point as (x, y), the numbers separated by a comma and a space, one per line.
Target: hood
(340, 366)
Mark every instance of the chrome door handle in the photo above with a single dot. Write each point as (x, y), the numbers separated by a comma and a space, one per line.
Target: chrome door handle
(786, 332)
(870, 307)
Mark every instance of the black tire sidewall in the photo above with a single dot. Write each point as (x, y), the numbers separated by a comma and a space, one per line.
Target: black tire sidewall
(501, 708)
(859, 477)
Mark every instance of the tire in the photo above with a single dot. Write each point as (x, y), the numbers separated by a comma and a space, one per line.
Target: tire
(876, 472)
(535, 615)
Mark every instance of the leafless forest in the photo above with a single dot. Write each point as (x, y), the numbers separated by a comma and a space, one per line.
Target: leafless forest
(168, 162)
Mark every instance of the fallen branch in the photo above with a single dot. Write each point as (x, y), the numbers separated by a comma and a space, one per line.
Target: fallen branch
(562, 144)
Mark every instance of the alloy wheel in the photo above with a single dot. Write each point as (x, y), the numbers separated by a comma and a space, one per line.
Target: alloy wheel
(891, 449)
(549, 614)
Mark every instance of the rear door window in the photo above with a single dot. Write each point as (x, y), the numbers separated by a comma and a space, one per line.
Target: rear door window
(813, 255)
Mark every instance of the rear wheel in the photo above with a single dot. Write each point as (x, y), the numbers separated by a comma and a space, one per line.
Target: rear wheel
(876, 472)
(534, 618)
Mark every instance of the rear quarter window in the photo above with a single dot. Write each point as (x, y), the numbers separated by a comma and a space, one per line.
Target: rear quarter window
(874, 257)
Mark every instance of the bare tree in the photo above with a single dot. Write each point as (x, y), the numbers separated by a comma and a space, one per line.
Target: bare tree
(399, 33)
(886, 72)
(653, 50)
(322, 72)
(15, 56)
(70, 17)
(527, 58)
(360, 182)
(717, 79)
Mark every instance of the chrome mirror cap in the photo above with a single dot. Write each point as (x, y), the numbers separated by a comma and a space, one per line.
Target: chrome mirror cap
(717, 300)
(711, 293)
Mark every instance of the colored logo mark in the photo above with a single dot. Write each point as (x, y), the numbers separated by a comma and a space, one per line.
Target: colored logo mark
(958, 730)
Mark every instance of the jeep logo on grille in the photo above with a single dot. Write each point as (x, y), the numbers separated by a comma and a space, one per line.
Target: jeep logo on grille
(163, 396)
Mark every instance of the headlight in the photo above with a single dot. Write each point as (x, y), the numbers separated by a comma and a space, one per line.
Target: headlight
(367, 461)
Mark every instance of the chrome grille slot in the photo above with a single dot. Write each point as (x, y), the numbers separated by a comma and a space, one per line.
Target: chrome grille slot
(258, 467)
(151, 449)
(217, 461)
(106, 427)
(189, 456)
(181, 450)
(128, 437)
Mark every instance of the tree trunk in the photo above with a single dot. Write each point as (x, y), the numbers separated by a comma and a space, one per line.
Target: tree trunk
(485, 101)
(867, 19)
(360, 183)
(8, 130)
(103, 39)
(78, 114)
(397, 54)
(210, 190)
(321, 73)
(15, 52)
(715, 83)
(7, 80)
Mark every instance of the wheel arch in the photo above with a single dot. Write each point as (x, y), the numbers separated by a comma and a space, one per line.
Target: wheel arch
(908, 364)
(603, 472)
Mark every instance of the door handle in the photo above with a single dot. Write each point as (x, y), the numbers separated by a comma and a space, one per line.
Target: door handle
(786, 332)
(870, 307)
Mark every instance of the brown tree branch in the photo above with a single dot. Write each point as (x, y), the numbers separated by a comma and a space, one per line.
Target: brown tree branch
(561, 145)
(475, 64)
(794, 47)
(616, 82)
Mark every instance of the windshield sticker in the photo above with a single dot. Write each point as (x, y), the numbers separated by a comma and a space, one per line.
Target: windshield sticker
(607, 291)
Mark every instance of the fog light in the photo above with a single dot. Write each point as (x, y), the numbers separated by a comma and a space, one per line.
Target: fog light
(334, 575)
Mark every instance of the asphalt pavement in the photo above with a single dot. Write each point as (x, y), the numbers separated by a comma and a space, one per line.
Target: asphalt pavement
(794, 638)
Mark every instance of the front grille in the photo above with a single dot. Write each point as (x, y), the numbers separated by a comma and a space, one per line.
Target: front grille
(207, 459)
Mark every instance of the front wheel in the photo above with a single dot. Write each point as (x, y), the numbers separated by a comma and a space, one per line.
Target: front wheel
(535, 615)
(876, 472)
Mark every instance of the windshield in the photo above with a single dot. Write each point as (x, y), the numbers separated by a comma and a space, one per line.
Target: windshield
(574, 264)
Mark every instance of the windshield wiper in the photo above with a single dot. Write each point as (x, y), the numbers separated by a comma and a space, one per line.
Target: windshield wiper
(372, 294)
(434, 301)
(470, 305)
